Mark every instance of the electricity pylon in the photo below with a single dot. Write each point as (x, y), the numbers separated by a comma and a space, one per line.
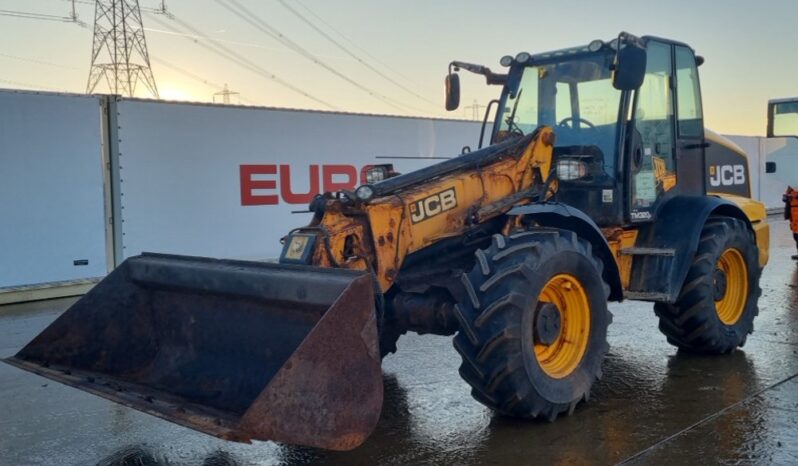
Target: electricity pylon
(225, 95)
(120, 51)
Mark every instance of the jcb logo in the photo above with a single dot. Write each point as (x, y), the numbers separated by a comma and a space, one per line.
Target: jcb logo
(433, 205)
(726, 175)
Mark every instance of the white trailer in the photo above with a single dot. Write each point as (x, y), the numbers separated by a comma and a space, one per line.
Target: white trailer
(52, 209)
(222, 181)
(87, 181)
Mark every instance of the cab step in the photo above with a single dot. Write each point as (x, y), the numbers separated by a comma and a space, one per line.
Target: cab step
(670, 252)
(647, 296)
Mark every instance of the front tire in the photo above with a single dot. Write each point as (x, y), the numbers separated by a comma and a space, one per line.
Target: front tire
(533, 323)
(715, 310)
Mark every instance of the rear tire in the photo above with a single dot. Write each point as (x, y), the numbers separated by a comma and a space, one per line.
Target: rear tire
(715, 310)
(520, 359)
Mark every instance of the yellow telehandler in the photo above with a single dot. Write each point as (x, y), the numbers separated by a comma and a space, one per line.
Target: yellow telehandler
(599, 184)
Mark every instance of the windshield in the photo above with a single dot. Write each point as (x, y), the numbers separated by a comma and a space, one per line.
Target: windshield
(575, 97)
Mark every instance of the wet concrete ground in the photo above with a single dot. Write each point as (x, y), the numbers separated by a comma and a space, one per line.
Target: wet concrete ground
(653, 406)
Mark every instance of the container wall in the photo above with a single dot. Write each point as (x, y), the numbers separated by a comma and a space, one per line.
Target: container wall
(223, 181)
(52, 219)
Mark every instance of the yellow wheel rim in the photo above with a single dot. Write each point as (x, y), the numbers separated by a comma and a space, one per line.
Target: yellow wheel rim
(731, 304)
(560, 358)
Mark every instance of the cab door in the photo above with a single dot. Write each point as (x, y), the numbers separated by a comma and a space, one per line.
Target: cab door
(690, 144)
(652, 152)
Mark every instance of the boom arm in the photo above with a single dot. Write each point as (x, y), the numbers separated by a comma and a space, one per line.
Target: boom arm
(442, 201)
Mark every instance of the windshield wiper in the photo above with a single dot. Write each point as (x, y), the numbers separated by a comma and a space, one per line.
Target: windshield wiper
(511, 119)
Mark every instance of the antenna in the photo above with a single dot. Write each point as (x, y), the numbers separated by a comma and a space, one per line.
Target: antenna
(119, 53)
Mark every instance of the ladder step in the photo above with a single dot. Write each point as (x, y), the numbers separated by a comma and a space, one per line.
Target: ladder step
(648, 252)
(646, 296)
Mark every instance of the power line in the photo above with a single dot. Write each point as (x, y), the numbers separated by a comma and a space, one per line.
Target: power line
(39, 62)
(236, 58)
(161, 9)
(72, 16)
(187, 73)
(216, 39)
(83, 2)
(39, 16)
(350, 41)
(353, 55)
(250, 17)
(196, 77)
(242, 61)
(30, 86)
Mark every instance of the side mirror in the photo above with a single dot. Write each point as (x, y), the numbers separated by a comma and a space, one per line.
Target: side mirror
(630, 63)
(452, 91)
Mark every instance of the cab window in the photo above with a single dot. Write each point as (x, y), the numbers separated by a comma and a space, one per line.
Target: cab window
(653, 164)
(688, 106)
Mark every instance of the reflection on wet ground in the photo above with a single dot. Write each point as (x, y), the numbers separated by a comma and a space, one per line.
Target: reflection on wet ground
(654, 405)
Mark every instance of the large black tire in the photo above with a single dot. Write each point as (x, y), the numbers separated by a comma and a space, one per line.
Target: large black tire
(497, 309)
(696, 322)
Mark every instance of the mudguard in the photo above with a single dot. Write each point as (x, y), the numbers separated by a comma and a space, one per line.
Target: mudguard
(556, 215)
(678, 227)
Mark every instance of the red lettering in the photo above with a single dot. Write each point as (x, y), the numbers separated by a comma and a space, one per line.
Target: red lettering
(329, 171)
(248, 185)
(333, 178)
(285, 185)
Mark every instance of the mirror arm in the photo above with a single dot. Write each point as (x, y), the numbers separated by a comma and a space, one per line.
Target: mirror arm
(490, 77)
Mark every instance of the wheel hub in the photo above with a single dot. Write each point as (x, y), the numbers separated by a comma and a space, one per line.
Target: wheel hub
(548, 322)
(731, 286)
(720, 282)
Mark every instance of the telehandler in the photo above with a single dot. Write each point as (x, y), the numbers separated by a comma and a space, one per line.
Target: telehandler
(593, 189)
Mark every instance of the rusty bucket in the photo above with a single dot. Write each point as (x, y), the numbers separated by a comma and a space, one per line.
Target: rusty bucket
(240, 350)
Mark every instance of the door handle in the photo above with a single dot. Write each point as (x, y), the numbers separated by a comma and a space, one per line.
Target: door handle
(699, 145)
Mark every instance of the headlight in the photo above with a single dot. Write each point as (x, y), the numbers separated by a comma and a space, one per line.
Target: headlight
(568, 170)
(506, 60)
(365, 192)
(522, 57)
(375, 174)
(371, 174)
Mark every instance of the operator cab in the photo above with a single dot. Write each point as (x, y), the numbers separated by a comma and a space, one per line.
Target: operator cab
(620, 146)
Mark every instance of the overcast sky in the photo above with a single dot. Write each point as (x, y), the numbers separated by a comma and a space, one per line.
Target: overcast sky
(401, 49)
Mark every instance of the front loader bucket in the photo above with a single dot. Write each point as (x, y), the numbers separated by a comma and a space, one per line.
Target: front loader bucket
(240, 350)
